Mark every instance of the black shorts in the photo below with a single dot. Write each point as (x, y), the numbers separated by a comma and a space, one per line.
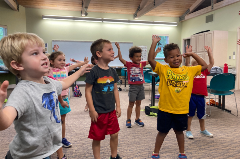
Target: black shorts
(166, 121)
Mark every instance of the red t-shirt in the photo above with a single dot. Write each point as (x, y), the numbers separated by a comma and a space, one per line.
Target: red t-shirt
(200, 83)
(135, 72)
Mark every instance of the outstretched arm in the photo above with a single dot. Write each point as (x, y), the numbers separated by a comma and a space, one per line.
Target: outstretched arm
(78, 64)
(155, 54)
(119, 54)
(211, 60)
(8, 114)
(67, 82)
(151, 54)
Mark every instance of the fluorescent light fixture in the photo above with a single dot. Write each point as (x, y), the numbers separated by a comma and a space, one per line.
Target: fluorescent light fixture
(107, 20)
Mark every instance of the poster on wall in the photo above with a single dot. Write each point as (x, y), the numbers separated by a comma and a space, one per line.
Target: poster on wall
(144, 53)
(164, 40)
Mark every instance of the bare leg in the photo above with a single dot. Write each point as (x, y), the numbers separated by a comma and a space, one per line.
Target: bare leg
(137, 109)
(202, 124)
(129, 110)
(189, 123)
(96, 149)
(180, 140)
(114, 144)
(60, 153)
(159, 141)
(63, 117)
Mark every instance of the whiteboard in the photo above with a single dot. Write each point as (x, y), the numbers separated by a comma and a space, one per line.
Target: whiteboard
(80, 49)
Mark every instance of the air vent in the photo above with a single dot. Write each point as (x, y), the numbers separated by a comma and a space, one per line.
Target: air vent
(209, 18)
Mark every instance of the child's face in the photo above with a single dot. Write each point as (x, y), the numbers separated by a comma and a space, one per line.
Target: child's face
(174, 58)
(136, 58)
(107, 53)
(59, 62)
(34, 62)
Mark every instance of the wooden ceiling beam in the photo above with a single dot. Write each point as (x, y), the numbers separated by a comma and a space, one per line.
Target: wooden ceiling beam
(148, 8)
(195, 5)
(85, 4)
(140, 7)
(13, 4)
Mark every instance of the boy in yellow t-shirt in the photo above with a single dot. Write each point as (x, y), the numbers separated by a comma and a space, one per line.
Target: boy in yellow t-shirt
(175, 89)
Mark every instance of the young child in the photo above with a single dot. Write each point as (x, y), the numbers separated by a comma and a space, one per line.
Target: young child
(135, 81)
(175, 89)
(199, 90)
(60, 72)
(102, 94)
(32, 105)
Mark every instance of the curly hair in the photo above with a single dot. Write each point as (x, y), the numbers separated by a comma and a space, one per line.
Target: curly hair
(133, 50)
(169, 47)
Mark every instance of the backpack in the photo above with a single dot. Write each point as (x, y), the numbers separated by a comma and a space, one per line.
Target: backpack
(216, 70)
(151, 111)
(77, 92)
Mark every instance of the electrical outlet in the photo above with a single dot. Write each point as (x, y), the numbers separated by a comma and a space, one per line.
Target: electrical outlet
(229, 57)
(233, 52)
(233, 57)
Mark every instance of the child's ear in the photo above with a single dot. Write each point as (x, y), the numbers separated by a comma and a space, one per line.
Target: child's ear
(98, 53)
(165, 59)
(17, 66)
(51, 62)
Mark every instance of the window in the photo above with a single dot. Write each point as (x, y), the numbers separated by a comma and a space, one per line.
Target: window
(3, 31)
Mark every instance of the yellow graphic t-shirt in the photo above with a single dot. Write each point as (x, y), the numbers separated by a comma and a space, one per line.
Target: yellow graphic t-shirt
(175, 87)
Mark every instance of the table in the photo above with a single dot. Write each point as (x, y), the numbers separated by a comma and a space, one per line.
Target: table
(125, 78)
(154, 75)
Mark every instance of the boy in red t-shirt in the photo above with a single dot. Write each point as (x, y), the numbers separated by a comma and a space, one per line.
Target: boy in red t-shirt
(199, 91)
(135, 81)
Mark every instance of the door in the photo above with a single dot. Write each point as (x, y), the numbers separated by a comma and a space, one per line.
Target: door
(193, 43)
(209, 39)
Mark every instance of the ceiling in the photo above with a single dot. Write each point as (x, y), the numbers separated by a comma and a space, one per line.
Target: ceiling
(169, 8)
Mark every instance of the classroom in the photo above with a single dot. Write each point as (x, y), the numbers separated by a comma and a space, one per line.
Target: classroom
(74, 25)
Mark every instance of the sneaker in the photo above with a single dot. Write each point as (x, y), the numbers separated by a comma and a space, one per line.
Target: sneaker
(154, 156)
(128, 123)
(139, 123)
(189, 134)
(206, 133)
(64, 157)
(181, 156)
(66, 143)
(117, 157)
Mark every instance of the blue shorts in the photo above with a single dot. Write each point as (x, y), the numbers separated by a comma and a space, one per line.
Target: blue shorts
(197, 102)
(66, 109)
(166, 121)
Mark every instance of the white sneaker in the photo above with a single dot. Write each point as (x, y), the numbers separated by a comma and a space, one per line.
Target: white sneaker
(189, 134)
(206, 133)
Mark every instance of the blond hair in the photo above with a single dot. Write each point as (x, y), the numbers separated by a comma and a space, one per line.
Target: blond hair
(13, 46)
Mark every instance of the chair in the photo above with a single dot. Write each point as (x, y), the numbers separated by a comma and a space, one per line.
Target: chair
(223, 84)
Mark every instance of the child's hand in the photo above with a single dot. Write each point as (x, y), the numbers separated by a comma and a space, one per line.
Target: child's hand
(158, 50)
(118, 112)
(3, 92)
(86, 60)
(188, 48)
(93, 115)
(156, 38)
(73, 60)
(209, 50)
(117, 45)
(187, 54)
(85, 69)
(64, 104)
(55, 47)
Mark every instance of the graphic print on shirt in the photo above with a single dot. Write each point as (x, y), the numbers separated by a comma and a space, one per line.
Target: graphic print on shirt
(179, 81)
(135, 74)
(59, 74)
(200, 76)
(50, 102)
(107, 85)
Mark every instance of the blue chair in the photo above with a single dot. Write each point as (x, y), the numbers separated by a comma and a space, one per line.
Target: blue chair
(223, 84)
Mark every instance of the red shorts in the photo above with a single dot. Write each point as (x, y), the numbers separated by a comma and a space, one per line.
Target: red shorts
(107, 123)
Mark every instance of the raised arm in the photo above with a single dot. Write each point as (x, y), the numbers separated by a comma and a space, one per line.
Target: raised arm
(188, 49)
(199, 60)
(151, 54)
(67, 82)
(55, 48)
(211, 60)
(8, 114)
(155, 54)
(120, 54)
(78, 64)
